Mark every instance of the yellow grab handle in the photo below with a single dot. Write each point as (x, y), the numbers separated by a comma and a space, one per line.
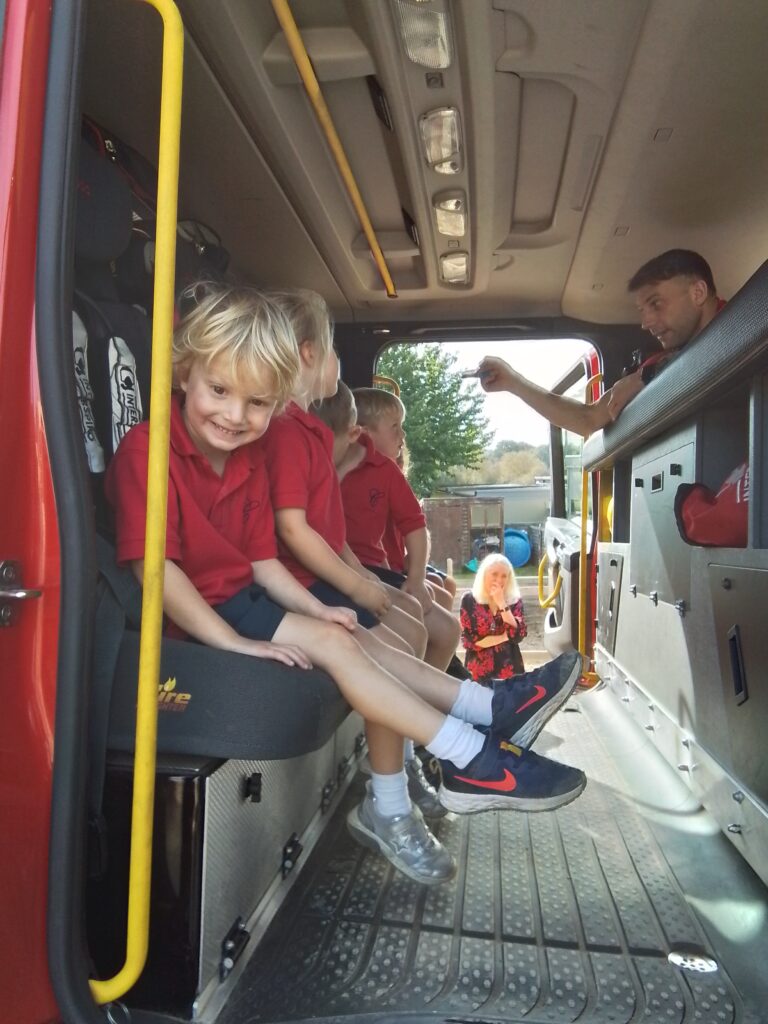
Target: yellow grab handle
(322, 113)
(547, 602)
(140, 878)
(583, 575)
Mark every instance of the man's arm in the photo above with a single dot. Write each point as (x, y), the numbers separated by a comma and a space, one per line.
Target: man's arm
(496, 375)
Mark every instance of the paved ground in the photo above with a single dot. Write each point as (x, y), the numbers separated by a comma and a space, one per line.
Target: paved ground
(533, 646)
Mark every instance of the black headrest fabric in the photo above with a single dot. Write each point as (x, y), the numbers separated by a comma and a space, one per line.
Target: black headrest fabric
(104, 208)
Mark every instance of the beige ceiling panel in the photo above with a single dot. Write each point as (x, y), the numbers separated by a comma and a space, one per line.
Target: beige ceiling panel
(687, 161)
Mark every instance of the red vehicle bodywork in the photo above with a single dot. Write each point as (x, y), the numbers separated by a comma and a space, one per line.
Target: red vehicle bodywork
(28, 533)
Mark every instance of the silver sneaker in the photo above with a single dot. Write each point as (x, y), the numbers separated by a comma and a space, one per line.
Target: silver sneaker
(421, 792)
(404, 840)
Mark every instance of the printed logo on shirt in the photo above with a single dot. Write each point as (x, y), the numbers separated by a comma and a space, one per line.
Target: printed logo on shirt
(374, 497)
(248, 507)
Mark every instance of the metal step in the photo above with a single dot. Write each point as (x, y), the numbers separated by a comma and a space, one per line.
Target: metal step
(556, 917)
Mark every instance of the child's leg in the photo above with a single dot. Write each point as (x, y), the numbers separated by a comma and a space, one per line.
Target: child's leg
(443, 632)
(441, 596)
(410, 629)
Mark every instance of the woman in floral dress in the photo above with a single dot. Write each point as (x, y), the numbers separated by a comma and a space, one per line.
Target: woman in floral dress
(493, 623)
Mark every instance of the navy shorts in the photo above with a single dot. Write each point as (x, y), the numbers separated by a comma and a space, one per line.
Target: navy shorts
(394, 579)
(335, 599)
(252, 613)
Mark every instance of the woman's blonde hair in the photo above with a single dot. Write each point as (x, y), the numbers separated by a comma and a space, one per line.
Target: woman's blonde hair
(311, 321)
(479, 589)
(244, 326)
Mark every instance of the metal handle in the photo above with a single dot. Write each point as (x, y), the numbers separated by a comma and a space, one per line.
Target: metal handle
(18, 595)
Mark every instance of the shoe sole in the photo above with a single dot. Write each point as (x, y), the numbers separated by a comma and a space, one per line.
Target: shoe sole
(526, 734)
(365, 837)
(473, 803)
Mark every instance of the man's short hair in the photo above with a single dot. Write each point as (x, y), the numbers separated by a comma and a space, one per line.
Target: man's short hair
(372, 403)
(673, 263)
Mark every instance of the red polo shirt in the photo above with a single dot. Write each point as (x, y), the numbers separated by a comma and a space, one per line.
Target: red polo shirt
(217, 525)
(299, 453)
(374, 493)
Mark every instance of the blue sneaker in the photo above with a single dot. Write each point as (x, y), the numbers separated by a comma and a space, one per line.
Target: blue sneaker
(506, 777)
(523, 704)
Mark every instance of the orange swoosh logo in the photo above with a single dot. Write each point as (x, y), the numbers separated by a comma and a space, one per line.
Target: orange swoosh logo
(540, 692)
(505, 785)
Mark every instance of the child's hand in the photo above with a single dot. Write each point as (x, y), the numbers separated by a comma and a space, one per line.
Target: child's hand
(288, 654)
(341, 616)
(373, 597)
(418, 589)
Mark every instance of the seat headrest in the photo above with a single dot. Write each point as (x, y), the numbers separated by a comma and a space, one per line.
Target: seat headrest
(104, 208)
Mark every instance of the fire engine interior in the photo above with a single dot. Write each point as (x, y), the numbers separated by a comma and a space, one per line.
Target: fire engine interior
(518, 161)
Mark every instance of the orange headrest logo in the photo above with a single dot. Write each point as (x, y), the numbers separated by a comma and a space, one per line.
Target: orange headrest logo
(168, 699)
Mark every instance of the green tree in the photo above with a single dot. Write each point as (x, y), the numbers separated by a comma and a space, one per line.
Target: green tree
(444, 423)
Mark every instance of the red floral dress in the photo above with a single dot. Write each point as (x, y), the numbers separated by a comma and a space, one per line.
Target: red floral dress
(478, 621)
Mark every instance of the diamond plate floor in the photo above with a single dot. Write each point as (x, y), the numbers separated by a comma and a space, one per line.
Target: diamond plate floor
(558, 917)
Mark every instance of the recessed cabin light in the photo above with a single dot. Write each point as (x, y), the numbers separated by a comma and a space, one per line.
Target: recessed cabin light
(451, 213)
(441, 134)
(454, 268)
(425, 33)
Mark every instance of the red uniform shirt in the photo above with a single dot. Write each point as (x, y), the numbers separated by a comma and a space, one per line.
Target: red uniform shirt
(299, 453)
(217, 525)
(373, 493)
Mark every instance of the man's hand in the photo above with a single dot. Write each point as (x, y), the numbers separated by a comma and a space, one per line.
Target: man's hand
(622, 393)
(418, 589)
(341, 616)
(496, 375)
(372, 596)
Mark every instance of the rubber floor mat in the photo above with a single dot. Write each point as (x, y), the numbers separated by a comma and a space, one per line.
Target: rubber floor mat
(555, 917)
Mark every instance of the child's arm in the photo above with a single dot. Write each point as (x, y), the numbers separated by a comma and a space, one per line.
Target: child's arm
(309, 548)
(417, 548)
(184, 605)
(288, 592)
(348, 556)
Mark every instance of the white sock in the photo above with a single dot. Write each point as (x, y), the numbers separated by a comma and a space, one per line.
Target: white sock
(408, 752)
(391, 792)
(473, 703)
(457, 742)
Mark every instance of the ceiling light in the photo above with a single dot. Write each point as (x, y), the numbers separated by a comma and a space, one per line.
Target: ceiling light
(441, 133)
(451, 213)
(454, 268)
(425, 34)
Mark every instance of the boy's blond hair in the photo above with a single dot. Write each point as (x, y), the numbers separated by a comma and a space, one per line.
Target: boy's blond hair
(372, 403)
(243, 325)
(479, 589)
(337, 412)
(311, 321)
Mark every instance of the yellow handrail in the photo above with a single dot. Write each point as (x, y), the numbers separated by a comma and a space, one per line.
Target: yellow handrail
(309, 78)
(140, 878)
(387, 382)
(587, 675)
(547, 602)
